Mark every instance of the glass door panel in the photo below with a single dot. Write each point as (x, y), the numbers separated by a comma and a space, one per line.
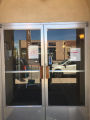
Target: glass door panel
(65, 53)
(44, 72)
(22, 67)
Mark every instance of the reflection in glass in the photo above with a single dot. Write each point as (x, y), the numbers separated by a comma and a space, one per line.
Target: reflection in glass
(66, 85)
(22, 65)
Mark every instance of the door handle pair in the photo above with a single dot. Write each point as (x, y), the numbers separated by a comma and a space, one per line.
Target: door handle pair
(47, 72)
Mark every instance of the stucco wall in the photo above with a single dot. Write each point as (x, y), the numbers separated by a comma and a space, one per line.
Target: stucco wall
(88, 4)
(43, 10)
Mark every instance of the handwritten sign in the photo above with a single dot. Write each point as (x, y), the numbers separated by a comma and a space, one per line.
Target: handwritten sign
(75, 54)
(33, 52)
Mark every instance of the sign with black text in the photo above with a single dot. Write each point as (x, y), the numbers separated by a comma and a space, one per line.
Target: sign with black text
(75, 54)
(33, 52)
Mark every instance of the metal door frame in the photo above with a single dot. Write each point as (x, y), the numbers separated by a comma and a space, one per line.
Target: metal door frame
(44, 27)
(72, 112)
(14, 110)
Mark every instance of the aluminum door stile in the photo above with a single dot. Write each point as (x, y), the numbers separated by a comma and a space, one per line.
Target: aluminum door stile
(86, 70)
(1, 82)
(23, 112)
(46, 64)
(64, 112)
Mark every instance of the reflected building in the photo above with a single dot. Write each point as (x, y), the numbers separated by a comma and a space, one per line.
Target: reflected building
(54, 48)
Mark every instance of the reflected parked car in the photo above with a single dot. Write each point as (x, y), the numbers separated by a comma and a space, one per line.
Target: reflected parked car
(67, 65)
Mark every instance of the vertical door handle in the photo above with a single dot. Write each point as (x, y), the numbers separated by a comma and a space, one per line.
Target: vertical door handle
(41, 72)
(47, 72)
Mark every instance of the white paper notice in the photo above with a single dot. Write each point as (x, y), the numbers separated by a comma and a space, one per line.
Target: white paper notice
(33, 52)
(75, 54)
(10, 53)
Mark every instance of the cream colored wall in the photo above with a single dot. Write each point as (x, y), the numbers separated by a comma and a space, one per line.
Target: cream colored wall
(43, 10)
(88, 4)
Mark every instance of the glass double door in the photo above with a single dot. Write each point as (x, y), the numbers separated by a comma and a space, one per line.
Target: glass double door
(44, 72)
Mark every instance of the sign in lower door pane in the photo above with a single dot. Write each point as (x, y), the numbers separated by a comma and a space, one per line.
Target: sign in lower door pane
(22, 66)
(66, 85)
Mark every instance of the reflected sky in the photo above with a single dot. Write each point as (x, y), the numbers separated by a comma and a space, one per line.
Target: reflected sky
(59, 34)
(62, 34)
(21, 35)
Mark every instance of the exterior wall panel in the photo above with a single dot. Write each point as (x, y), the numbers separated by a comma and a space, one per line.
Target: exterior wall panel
(43, 11)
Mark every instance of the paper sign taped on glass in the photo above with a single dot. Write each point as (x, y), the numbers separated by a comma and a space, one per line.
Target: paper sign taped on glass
(33, 52)
(75, 54)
